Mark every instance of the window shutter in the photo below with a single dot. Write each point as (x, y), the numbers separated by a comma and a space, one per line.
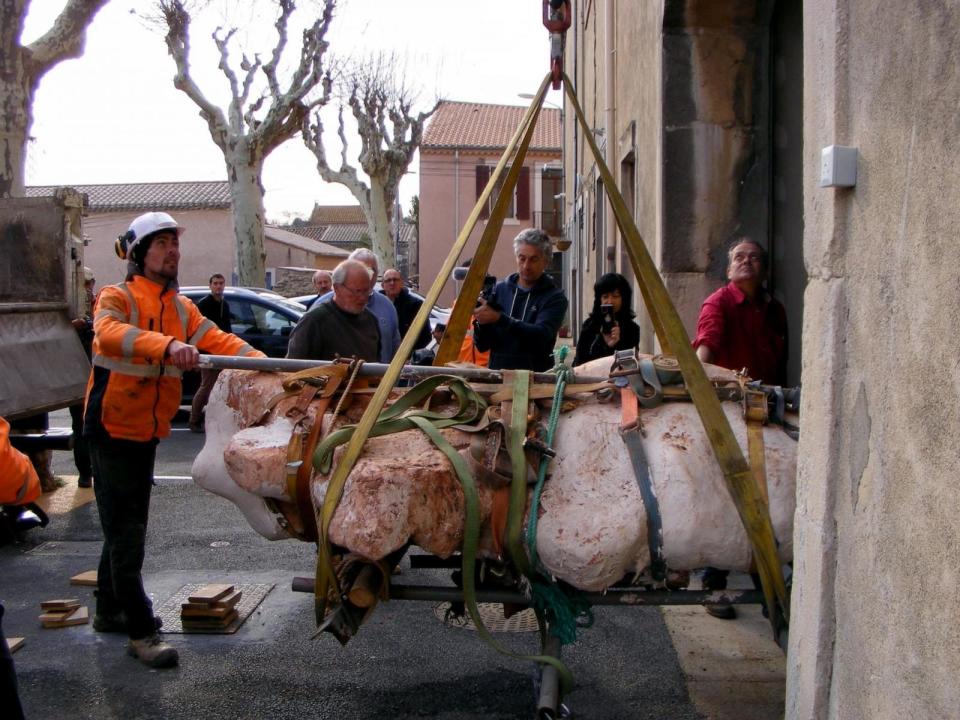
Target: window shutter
(483, 176)
(523, 194)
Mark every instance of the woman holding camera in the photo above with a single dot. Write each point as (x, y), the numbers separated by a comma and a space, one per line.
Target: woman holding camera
(610, 326)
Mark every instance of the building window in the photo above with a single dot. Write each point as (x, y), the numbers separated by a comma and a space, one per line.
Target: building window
(519, 207)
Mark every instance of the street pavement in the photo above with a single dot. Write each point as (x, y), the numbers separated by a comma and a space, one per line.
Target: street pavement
(404, 663)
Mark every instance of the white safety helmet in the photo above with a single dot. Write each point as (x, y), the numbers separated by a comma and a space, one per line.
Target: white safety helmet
(142, 228)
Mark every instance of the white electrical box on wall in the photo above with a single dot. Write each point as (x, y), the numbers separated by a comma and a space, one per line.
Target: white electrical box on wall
(838, 166)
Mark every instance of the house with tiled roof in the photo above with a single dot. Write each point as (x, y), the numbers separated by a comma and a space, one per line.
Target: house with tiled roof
(203, 208)
(462, 143)
(337, 215)
(350, 236)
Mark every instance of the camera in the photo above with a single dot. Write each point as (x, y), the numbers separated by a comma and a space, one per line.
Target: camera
(606, 319)
(489, 283)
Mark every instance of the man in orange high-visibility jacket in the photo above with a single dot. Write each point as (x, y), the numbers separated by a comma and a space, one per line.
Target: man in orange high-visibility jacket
(145, 336)
(19, 484)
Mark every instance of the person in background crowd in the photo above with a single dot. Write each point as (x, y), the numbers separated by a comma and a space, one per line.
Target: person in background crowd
(520, 322)
(344, 326)
(406, 305)
(84, 328)
(742, 326)
(598, 338)
(322, 284)
(379, 305)
(215, 308)
(145, 336)
(468, 352)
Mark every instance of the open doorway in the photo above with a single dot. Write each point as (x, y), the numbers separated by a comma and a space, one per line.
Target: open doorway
(788, 276)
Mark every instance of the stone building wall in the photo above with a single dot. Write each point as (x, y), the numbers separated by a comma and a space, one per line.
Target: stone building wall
(877, 595)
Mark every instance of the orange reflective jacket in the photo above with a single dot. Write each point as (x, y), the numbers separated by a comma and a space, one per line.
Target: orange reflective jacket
(133, 393)
(19, 483)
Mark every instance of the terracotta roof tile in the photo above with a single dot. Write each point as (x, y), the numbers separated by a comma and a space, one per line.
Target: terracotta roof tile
(195, 195)
(314, 232)
(337, 214)
(476, 125)
(285, 236)
(348, 236)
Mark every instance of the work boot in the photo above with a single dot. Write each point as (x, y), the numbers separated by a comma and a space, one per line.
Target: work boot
(153, 651)
(723, 611)
(117, 623)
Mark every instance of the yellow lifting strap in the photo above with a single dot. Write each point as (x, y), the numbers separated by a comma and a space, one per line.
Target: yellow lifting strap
(750, 503)
(326, 584)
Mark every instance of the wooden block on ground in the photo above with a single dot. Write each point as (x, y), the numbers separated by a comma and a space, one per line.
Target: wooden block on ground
(15, 643)
(55, 615)
(80, 616)
(211, 593)
(207, 623)
(228, 601)
(198, 610)
(60, 605)
(85, 578)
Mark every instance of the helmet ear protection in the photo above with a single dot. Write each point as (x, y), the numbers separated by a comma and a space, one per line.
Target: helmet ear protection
(123, 243)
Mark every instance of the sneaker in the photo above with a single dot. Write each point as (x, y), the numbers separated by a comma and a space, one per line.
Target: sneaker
(723, 612)
(117, 623)
(153, 651)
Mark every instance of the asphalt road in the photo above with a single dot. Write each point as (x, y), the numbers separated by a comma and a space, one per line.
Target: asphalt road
(405, 663)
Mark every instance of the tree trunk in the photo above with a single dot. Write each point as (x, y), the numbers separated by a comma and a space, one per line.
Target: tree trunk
(246, 192)
(15, 109)
(381, 229)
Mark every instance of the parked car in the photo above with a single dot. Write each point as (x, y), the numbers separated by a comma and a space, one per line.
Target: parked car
(437, 314)
(261, 317)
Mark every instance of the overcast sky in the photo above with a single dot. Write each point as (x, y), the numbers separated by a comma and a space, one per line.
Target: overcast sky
(113, 116)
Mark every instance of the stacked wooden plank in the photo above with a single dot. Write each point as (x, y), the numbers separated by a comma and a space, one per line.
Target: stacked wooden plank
(212, 607)
(63, 613)
(88, 578)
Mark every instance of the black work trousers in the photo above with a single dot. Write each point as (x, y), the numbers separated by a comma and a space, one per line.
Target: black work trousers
(124, 473)
(81, 445)
(9, 696)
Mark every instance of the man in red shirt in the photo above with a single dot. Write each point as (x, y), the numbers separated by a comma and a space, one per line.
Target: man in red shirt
(742, 326)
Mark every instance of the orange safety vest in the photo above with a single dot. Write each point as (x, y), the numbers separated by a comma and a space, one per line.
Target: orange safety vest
(133, 393)
(469, 352)
(19, 483)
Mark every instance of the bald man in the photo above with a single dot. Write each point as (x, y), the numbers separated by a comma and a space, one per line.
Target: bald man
(407, 306)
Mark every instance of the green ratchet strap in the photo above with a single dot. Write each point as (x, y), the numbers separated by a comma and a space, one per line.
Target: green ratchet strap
(754, 513)
(518, 485)
(396, 418)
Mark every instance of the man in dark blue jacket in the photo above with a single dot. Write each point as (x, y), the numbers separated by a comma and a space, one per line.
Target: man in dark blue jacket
(519, 322)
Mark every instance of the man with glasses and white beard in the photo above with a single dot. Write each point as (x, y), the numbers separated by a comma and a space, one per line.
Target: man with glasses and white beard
(343, 326)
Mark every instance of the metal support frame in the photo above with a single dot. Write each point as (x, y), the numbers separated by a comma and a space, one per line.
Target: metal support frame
(614, 596)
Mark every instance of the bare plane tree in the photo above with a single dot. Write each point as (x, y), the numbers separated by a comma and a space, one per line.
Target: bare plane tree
(21, 68)
(389, 136)
(249, 129)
